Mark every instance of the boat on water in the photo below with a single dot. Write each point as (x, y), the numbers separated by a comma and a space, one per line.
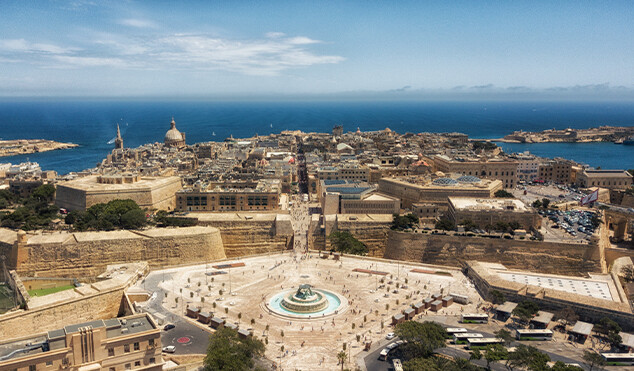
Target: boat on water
(629, 141)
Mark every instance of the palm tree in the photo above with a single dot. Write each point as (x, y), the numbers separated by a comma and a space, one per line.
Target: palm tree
(341, 356)
(239, 317)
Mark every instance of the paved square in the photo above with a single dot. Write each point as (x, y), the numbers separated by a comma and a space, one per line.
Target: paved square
(312, 344)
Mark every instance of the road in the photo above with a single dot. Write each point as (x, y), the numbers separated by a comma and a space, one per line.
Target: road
(186, 337)
(372, 362)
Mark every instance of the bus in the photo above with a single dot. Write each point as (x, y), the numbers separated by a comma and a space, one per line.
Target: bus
(534, 334)
(455, 330)
(398, 366)
(461, 338)
(618, 359)
(474, 318)
(480, 342)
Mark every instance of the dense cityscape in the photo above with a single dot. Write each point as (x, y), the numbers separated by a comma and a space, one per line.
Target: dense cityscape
(324, 249)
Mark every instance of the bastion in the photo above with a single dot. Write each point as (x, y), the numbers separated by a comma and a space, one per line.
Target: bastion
(147, 192)
(86, 254)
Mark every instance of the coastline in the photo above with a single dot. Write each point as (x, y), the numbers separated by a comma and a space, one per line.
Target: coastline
(29, 146)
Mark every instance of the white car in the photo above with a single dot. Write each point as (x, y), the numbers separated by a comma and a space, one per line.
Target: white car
(169, 349)
(390, 336)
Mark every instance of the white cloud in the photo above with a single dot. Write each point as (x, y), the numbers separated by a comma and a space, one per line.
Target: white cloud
(138, 23)
(21, 45)
(274, 35)
(268, 56)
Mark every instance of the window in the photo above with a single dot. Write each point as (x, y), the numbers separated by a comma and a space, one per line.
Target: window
(151, 342)
(126, 348)
(112, 369)
(127, 366)
(32, 367)
(110, 352)
(152, 360)
(136, 346)
(49, 363)
(137, 363)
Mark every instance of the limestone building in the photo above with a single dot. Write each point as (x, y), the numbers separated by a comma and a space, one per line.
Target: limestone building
(127, 343)
(489, 211)
(558, 171)
(148, 192)
(263, 195)
(431, 196)
(173, 137)
(343, 197)
(610, 179)
(502, 169)
(118, 141)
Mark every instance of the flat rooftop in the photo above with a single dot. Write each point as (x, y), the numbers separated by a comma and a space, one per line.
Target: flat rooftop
(482, 204)
(56, 339)
(90, 183)
(591, 288)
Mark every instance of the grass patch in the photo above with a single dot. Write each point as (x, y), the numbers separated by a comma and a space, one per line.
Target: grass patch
(50, 290)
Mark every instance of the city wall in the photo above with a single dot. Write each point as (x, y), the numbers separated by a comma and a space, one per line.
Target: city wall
(100, 300)
(588, 309)
(545, 257)
(86, 254)
(247, 233)
(372, 230)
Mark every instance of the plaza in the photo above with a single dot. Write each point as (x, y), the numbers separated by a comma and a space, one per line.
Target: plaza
(368, 300)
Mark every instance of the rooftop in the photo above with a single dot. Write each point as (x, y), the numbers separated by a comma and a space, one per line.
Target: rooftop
(481, 204)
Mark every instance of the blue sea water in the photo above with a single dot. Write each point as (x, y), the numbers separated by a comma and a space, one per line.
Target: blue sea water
(92, 123)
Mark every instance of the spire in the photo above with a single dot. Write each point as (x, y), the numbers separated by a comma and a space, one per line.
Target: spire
(118, 141)
(173, 123)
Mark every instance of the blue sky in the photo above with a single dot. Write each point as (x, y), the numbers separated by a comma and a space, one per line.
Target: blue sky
(289, 48)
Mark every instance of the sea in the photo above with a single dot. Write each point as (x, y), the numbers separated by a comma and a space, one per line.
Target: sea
(92, 123)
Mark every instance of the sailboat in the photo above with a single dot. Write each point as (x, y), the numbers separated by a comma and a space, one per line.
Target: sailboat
(213, 133)
(271, 125)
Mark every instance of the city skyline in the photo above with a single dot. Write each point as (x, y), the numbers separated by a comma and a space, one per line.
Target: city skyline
(285, 49)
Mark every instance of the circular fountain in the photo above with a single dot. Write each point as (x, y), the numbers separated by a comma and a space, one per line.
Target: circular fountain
(306, 302)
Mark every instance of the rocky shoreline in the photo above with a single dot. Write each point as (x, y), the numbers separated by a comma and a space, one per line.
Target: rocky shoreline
(27, 146)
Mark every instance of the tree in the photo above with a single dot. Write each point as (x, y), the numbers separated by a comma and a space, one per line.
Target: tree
(239, 317)
(417, 364)
(345, 242)
(445, 224)
(503, 194)
(610, 330)
(493, 353)
(567, 315)
(400, 223)
(526, 310)
(421, 338)
(341, 356)
(628, 273)
(537, 204)
(592, 359)
(469, 225)
(545, 203)
(504, 335)
(560, 366)
(527, 357)
(227, 351)
(497, 297)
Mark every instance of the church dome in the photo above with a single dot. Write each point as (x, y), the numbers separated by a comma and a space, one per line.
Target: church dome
(173, 134)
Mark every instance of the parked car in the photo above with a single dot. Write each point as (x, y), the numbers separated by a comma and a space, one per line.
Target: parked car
(390, 336)
(169, 326)
(169, 349)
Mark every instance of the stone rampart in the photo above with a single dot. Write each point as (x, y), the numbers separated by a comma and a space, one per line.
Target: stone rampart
(546, 257)
(86, 254)
(587, 308)
(100, 300)
(248, 234)
(371, 229)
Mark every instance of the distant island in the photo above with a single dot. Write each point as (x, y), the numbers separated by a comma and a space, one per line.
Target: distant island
(615, 134)
(26, 146)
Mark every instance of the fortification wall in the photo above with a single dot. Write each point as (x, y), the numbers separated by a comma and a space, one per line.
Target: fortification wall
(372, 234)
(546, 257)
(248, 237)
(100, 300)
(87, 254)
